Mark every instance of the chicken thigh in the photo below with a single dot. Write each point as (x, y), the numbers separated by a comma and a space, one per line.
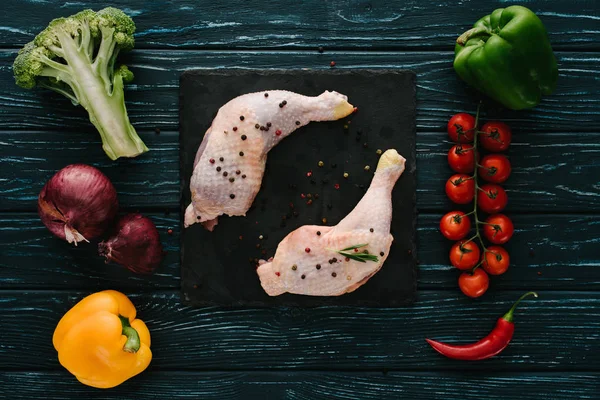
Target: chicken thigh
(330, 261)
(230, 161)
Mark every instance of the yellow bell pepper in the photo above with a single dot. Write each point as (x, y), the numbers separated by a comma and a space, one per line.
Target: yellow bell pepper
(100, 341)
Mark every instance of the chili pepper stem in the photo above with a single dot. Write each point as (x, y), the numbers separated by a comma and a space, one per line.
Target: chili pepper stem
(132, 345)
(509, 315)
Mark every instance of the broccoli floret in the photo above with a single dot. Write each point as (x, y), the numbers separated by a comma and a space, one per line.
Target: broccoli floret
(76, 56)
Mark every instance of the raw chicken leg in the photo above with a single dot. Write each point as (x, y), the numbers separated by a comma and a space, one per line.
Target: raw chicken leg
(230, 162)
(307, 260)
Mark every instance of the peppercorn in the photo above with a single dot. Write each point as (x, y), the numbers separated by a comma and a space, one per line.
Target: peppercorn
(244, 137)
(241, 153)
(231, 180)
(378, 152)
(371, 230)
(294, 267)
(297, 122)
(318, 233)
(235, 128)
(320, 164)
(333, 274)
(381, 253)
(241, 117)
(346, 175)
(244, 176)
(321, 50)
(303, 276)
(232, 196)
(318, 266)
(257, 126)
(218, 169)
(225, 173)
(266, 94)
(238, 172)
(221, 159)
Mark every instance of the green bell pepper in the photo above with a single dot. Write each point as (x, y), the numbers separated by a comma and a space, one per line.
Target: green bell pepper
(507, 55)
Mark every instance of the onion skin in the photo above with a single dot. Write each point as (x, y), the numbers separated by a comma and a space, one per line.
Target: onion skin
(134, 244)
(79, 203)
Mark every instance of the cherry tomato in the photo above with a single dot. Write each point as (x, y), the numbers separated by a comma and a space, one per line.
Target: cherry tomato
(464, 255)
(491, 198)
(475, 284)
(496, 136)
(460, 188)
(495, 168)
(461, 128)
(495, 260)
(498, 229)
(455, 225)
(461, 158)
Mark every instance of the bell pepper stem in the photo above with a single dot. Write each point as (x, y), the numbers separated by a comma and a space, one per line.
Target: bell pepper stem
(473, 32)
(509, 315)
(132, 345)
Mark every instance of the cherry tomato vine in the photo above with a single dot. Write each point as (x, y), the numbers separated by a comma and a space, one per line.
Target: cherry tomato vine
(491, 198)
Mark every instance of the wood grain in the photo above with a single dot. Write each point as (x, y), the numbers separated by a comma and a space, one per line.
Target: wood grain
(558, 331)
(542, 256)
(152, 101)
(309, 386)
(380, 24)
(545, 169)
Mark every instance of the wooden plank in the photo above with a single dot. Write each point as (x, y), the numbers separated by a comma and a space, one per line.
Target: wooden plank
(554, 171)
(558, 331)
(348, 24)
(309, 386)
(33, 258)
(542, 257)
(153, 100)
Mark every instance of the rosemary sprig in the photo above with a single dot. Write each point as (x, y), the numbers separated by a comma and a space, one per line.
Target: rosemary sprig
(362, 257)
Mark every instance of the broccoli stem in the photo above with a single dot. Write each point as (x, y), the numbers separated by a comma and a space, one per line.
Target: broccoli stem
(107, 110)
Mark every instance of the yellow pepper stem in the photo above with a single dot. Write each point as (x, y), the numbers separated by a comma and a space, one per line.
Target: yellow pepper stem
(132, 345)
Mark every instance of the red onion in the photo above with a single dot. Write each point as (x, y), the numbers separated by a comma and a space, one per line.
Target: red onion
(135, 244)
(78, 203)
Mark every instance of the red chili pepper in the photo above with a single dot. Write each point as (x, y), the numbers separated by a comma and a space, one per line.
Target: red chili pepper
(487, 347)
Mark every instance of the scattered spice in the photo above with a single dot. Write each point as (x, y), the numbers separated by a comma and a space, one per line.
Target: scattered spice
(225, 173)
(257, 126)
(244, 137)
(241, 153)
(244, 176)
(297, 122)
(309, 174)
(379, 152)
(318, 233)
(336, 186)
(237, 172)
(277, 273)
(316, 195)
(346, 127)
(309, 202)
(232, 196)
(294, 267)
(268, 125)
(333, 274)
(367, 167)
(307, 249)
(320, 164)
(266, 94)
(212, 161)
(235, 128)
(218, 169)
(302, 195)
(365, 145)
(318, 266)
(241, 117)
(332, 64)
(347, 259)
(303, 276)
(381, 253)
(349, 278)
(346, 175)
(324, 220)
(309, 195)
(278, 132)
(282, 104)
(321, 49)
(170, 231)
(371, 230)
(231, 180)
(221, 159)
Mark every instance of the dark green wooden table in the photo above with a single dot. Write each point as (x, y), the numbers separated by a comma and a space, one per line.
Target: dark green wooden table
(331, 353)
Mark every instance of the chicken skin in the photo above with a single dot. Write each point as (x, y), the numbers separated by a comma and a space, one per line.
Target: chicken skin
(230, 161)
(308, 260)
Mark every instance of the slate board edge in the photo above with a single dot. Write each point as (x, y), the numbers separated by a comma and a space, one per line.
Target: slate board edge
(411, 160)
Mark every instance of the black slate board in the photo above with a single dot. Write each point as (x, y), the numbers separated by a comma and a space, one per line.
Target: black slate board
(218, 268)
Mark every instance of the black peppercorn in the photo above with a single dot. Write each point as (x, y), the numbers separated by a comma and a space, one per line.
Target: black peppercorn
(221, 159)
(238, 172)
(371, 230)
(241, 117)
(244, 176)
(218, 169)
(297, 122)
(303, 276)
(241, 153)
(266, 94)
(231, 180)
(244, 137)
(225, 173)
(318, 233)
(268, 124)
(333, 274)
(232, 196)
(257, 126)
(318, 266)
(382, 254)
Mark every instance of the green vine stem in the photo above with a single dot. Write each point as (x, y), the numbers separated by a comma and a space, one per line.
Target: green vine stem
(478, 222)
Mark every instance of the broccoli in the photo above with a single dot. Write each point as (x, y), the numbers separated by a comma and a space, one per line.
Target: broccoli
(76, 56)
